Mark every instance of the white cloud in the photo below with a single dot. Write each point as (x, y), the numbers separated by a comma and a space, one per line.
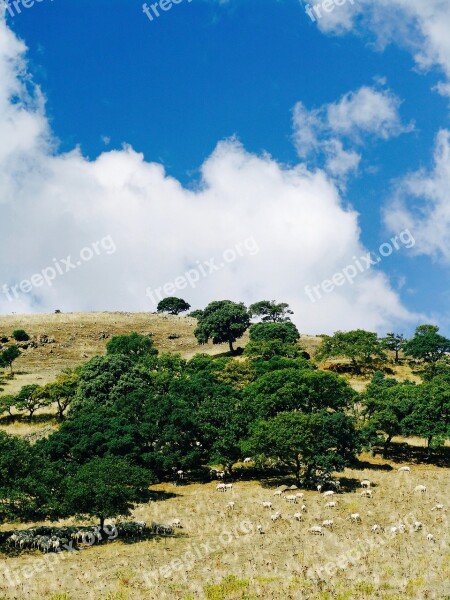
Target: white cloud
(421, 26)
(53, 205)
(366, 112)
(422, 203)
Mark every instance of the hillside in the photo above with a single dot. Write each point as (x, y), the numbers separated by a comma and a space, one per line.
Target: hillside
(68, 339)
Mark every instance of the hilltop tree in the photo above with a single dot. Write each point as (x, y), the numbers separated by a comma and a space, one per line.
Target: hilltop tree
(361, 347)
(393, 342)
(173, 306)
(269, 310)
(427, 345)
(223, 321)
(284, 331)
(6, 404)
(8, 356)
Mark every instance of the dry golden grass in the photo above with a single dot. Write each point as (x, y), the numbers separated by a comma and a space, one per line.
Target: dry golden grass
(273, 565)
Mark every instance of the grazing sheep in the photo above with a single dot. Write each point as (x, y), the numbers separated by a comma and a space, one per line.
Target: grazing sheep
(176, 523)
(231, 505)
(319, 488)
(220, 487)
(304, 508)
(365, 483)
(430, 537)
(298, 516)
(438, 507)
(404, 469)
(275, 516)
(420, 488)
(316, 530)
(354, 517)
(277, 493)
(328, 494)
(248, 460)
(291, 499)
(259, 529)
(377, 529)
(417, 525)
(331, 504)
(328, 523)
(393, 530)
(401, 528)
(267, 504)
(228, 486)
(300, 495)
(366, 494)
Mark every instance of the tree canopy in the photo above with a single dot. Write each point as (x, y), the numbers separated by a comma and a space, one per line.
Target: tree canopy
(173, 306)
(222, 321)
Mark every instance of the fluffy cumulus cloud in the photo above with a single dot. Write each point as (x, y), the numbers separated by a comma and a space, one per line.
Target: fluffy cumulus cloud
(94, 235)
(422, 201)
(322, 132)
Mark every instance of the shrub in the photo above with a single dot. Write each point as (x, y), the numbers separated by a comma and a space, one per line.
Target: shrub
(20, 335)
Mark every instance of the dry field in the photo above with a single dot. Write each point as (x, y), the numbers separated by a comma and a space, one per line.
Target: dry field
(219, 554)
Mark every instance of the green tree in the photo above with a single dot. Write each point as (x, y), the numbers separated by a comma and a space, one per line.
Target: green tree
(8, 356)
(6, 404)
(173, 306)
(105, 488)
(29, 400)
(386, 406)
(430, 417)
(271, 348)
(134, 345)
(223, 321)
(393, 342)
(269, 310)
(309, 444)
(305, 390)
(20, 335)
(62, 391)
(427, 345)
(361, 347)
(285, 331)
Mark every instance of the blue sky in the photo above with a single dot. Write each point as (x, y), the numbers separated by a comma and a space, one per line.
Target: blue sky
(208, 72)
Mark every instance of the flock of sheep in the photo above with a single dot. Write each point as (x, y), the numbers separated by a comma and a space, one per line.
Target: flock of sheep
(330, 504)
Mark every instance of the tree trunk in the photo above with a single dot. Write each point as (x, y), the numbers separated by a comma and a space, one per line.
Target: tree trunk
(430, 439)
(231, 346)
(102, 523)
(386, 444)
(297, 470)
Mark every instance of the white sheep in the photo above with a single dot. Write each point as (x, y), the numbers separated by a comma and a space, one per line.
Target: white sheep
(299, 495)
(421, 488)
(176, 523)
(259, 529)
(328, 523)
(277, 493)
(438, 507)
(404, 469)
(366, 494)
(220, 487)
(267, 504)
(430, 537)
(275, 516)
(355, 517)
(316, 530)
(365, 483)
(231, 505)
(304, 508)
(248, 460)
(228, 486)
(291, 499)
(331, 504)
(417, 525)
(377, 528)
(328, 494)
(298, 516)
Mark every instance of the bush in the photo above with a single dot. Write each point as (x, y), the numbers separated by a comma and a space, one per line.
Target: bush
(20, 335)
